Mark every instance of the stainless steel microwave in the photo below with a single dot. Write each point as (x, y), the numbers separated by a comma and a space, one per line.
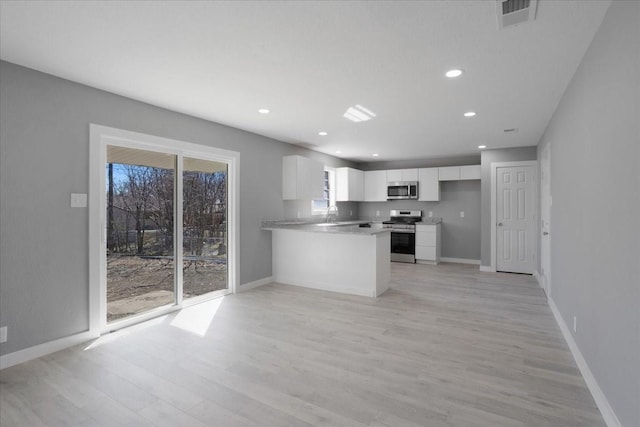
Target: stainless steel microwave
(402, 190)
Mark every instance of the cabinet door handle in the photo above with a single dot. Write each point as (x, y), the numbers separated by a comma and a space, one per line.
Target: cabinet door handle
(499, 224)
(545, 233)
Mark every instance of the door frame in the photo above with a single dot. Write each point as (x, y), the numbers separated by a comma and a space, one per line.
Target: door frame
(546, 273)
(494, 201)
(100, 137)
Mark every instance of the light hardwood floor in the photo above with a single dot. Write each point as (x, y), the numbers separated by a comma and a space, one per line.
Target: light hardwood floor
(446, 346)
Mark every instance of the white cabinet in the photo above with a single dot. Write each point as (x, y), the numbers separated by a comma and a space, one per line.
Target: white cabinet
(400, 175)
(375, 186)
(349, 185)
(302, 178)
(428, 243)
(451, 173)
(470, 172)
(428, 185)
(457, 173)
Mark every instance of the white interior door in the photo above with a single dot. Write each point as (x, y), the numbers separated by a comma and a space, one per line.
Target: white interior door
(545, 213)
(515, 219)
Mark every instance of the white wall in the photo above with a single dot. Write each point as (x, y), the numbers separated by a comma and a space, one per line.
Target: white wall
(595, 181)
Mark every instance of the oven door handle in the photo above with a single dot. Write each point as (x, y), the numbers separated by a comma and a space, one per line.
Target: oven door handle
(403, 231)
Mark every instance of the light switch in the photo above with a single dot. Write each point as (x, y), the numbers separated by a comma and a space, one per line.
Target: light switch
(78, 200)
(461, 214)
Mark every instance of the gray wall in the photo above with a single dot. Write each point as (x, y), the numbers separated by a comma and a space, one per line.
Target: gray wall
(44, 154)
(433, 162)
(595, 227)
(460, 236)
(488, 157)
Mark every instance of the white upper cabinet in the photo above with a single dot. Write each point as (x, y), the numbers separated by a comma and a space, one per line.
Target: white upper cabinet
(456, 173)
(375, 186)
(349, 185)
(428, 185)
(399, 175)
(394, 175)
(470, 172)
(451, 173)
(302, 178)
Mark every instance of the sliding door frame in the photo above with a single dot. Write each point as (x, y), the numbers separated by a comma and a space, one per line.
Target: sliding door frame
(100, 138)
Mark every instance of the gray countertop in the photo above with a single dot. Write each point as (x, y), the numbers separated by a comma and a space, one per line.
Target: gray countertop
(429, 221)
(339, 227)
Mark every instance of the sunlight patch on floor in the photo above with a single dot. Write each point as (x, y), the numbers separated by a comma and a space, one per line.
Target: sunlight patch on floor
(198, 318)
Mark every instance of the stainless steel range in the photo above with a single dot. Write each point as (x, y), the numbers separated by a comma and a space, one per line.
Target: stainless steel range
(403, 234)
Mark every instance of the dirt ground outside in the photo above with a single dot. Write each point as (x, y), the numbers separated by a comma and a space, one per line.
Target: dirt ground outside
(136, 284)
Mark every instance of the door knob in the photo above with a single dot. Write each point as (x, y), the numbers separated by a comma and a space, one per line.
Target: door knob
(545, 233)
(499, 224)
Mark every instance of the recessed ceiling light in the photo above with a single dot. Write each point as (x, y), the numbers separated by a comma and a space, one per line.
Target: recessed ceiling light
(322, 133)
(453, 73)
(482, 146)
(263, 111)
(338, 152)
(375, 154)
(358, 113)
(470, 114)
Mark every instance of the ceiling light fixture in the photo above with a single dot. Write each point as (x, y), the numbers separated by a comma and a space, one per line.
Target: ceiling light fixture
(482, 146)
(375, 154)
(453, 73)
(470, 114)
(358, 113)
(338, 152)
(323, 133)
(263, 111)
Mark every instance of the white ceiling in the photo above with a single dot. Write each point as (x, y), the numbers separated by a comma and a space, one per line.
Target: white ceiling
(309, 61)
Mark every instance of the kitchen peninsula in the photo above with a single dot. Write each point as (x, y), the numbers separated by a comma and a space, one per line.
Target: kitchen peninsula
(339, 257)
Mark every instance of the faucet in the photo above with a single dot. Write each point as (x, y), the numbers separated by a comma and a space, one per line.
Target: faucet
(332, 213)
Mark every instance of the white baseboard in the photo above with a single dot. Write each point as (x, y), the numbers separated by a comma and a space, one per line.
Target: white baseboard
(538, 278)
(40, 350)
(251, 285)
(487, 269)
(601, 400)
(460, 260)
(323, 286)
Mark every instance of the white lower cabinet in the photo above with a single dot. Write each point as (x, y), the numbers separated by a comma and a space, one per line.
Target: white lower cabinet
(428, 243)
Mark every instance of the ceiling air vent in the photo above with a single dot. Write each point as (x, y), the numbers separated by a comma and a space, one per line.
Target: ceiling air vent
(514, 12)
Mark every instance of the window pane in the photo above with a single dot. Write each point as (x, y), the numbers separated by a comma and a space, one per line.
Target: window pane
(204, 227)
(140, 250)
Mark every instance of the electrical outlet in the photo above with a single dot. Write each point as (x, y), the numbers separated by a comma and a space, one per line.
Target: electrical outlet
(575, 324)
(350, 213)
(461, 214)
(430, 214)
(298, 214)
(377, 213)
(3, 334)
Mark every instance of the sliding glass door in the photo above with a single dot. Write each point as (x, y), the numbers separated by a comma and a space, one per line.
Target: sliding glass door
(166, 230)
